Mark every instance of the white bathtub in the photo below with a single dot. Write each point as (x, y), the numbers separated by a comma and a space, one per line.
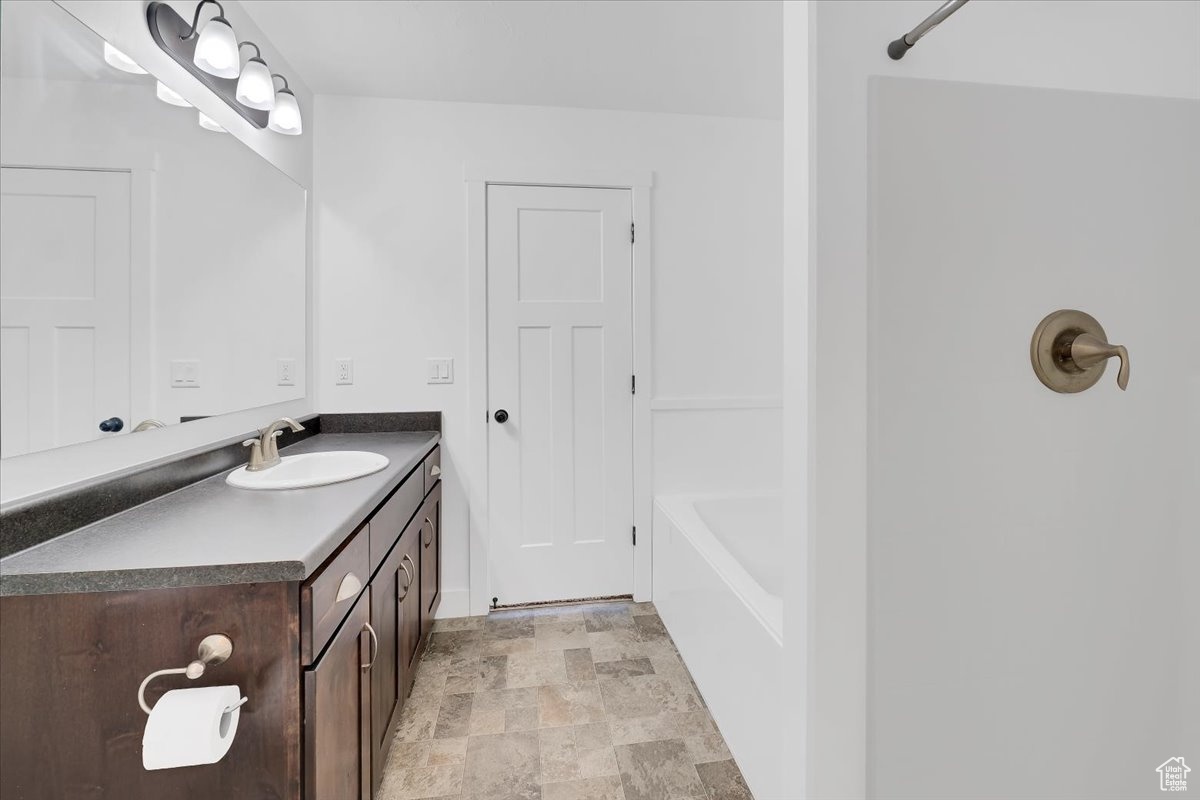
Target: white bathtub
(718, 581)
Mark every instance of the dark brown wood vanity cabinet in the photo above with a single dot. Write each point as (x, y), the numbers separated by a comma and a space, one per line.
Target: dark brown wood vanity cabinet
(386, 627)
(431, 557)
(393, 617)
(326, 662)
(337, 713)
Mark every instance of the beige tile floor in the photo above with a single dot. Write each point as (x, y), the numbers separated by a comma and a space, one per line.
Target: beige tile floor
(578, 702)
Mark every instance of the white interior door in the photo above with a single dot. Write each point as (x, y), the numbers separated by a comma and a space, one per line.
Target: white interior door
(560, 361)
(64, 305)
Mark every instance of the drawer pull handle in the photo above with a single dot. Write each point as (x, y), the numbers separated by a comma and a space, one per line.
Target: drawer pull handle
(429, 522)
(349, 587)
(408, 585)
(374, 646)
(435, 471)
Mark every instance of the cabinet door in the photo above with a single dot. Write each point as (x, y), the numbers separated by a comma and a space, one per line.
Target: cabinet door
(410, 613)
(385, 680)
(337, 714)
(431, 558)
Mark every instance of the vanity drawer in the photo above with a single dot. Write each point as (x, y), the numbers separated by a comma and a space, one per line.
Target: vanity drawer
(389, 521)
(433, 468)
(328, 596)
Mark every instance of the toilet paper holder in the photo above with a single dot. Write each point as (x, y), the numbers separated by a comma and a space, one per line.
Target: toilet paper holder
(216, 648)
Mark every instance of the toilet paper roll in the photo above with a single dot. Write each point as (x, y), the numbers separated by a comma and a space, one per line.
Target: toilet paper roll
(191, 726)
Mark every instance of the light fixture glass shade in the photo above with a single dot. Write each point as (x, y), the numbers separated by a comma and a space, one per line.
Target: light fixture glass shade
(116, 58)
(209, 124)
(285, 116)
(255, 88)
(169, 95)
(217, 50)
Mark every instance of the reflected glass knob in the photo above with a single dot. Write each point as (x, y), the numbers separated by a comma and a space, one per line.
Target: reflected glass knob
(112, 425)
(501, 416)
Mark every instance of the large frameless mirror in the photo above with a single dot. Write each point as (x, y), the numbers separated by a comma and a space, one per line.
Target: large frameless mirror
(152, 266)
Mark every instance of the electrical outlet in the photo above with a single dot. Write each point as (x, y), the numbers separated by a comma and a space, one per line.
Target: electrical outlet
(285, 372)
(343, 371)
(439, 370)
(185, 374)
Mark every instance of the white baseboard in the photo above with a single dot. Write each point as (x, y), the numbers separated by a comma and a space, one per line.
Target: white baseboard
(454, 604)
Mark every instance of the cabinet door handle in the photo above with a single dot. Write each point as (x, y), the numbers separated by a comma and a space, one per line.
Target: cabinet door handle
(435, 471)
(408, 585)
(374, 646)
(429, 522)
(349, 587)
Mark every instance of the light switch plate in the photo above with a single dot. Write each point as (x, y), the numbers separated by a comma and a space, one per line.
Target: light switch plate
(285, 372)
(185, 374)
(343, 371)
(439, 370)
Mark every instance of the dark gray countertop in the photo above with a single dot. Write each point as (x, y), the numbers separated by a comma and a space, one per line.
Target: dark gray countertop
(210, 534)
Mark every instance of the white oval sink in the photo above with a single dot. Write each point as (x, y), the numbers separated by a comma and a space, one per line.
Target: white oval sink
(310, 469)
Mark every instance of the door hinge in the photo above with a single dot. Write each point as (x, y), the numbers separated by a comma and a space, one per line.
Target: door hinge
(633, 384)
(635, 535)
(632, 233)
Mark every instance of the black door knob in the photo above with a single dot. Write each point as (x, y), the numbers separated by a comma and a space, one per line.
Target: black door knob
(501, 416)
(112, 425)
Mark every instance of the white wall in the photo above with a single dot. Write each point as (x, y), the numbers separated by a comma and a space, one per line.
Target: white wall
(1150, 48)
(391, 244)
(1026, 547)
(124, 25)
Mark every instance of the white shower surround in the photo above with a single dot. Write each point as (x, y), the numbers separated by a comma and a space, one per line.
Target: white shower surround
(725, 614)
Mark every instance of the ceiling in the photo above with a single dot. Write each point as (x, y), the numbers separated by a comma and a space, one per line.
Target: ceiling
(719, 57)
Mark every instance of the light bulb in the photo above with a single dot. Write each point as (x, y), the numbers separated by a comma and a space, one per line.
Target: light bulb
(169, 95)
(285, 116)
(217, 50)
(255, 88)
(116, 58)
(210, 124)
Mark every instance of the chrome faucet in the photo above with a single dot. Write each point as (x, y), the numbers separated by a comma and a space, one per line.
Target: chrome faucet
(264, 451)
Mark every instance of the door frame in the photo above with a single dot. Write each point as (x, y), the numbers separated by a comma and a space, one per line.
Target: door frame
(478, 177)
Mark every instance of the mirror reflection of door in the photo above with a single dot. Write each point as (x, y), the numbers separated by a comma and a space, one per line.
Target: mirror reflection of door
(64, 305)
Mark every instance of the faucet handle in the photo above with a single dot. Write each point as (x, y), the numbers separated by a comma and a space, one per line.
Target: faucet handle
(256, 459)
(1087, 351)
(1069, 351)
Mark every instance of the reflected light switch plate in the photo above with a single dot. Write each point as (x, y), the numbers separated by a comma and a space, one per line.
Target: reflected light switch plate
(185, 374)
(439, 370)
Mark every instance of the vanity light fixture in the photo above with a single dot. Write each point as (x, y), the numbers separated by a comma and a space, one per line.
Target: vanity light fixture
(285, 116)
(212, 54)
(116, 58)
(217, 47)
(210, 124)
(255, 88)
(169, 95)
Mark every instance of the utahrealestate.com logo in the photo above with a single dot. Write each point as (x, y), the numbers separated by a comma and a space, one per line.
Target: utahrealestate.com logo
(1172, 775)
